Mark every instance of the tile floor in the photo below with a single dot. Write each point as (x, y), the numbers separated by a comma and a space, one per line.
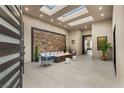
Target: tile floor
(83, 73)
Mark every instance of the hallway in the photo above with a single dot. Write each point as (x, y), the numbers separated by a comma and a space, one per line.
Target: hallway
(85, 72)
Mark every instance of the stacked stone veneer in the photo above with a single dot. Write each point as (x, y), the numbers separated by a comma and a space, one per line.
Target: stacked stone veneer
(48, 42)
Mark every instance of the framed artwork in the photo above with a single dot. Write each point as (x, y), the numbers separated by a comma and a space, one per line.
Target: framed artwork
(100, 41)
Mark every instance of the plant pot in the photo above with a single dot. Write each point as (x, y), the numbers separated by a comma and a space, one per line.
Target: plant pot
(104, 56)
(36, 60)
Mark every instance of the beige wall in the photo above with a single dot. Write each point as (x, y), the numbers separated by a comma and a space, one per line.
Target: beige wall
(118, 20)
(77, 36)
(103, 28)
(31, 22)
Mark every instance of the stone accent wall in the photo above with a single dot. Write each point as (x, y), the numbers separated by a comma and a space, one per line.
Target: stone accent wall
(48, 41)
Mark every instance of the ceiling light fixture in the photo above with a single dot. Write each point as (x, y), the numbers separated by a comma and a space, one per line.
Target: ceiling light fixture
(100, 8)
(102, 14)
(51, 20)
(41, 15)
(26, 9)
(85, 27)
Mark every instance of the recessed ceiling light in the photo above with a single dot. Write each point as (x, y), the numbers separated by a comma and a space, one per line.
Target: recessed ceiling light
(41, 15)
(26, 9)
(59, 23)
(102, 14)
(85, 27)
(51, 20)
(100, 8)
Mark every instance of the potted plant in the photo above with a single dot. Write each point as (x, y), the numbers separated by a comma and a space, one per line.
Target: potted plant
(105, 47)
(36, 54)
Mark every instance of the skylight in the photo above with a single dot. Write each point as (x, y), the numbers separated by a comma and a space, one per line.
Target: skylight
(50, 6)
(73, 14)
(51, 9)
(73, 11)
(81, 21)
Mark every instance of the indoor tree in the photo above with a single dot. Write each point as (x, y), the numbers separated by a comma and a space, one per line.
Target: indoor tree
(105, 47)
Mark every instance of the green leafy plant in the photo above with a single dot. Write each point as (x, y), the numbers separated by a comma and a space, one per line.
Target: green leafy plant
(105, 46)
(88, 44)
(36, 54)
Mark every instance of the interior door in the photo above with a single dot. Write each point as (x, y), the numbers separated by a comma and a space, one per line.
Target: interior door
(11, 47)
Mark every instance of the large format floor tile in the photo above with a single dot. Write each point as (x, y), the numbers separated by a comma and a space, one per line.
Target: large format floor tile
(85, 72)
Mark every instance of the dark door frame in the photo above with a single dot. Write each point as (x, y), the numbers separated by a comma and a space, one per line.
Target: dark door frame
(83, 43)
(114, 45)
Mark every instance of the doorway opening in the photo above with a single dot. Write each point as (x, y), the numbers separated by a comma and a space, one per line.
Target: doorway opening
(87, 45)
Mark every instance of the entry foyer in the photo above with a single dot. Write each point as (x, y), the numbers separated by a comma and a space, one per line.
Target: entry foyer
(65, 46)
